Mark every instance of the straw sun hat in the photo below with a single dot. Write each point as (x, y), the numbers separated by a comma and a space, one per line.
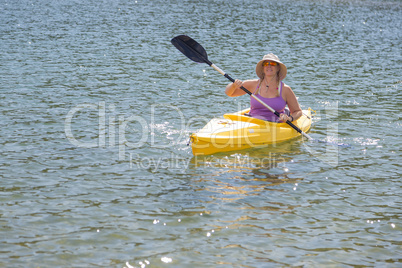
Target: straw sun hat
(271, 57)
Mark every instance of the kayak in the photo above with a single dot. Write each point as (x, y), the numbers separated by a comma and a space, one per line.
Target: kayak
(237, 131)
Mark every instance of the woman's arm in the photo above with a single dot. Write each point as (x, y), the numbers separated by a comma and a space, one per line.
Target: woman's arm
(291, 100)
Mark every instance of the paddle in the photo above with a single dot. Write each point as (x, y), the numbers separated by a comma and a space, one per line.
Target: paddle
(197, 53)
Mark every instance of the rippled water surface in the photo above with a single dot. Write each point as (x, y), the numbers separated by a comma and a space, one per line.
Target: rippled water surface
(97, 106)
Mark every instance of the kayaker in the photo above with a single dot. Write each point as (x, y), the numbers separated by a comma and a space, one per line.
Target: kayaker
(270, 89)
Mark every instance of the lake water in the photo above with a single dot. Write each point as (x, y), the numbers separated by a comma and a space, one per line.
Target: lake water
(97, 106)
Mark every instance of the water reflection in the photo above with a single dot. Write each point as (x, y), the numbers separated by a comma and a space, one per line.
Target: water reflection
(255, 182)
(266, 157)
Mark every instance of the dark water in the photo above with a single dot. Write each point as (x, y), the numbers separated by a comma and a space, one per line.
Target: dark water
(97, 105)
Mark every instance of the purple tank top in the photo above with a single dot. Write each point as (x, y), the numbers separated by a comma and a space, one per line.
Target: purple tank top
(259, 111)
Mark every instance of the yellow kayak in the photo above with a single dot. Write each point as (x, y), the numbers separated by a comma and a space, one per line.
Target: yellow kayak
(237, 131)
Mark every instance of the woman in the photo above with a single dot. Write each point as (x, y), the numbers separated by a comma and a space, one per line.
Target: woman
(270, 89)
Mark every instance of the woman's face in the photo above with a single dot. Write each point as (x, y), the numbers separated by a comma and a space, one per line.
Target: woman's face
(270, 68)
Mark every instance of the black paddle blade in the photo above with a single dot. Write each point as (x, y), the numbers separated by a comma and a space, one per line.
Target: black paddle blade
(191, 49)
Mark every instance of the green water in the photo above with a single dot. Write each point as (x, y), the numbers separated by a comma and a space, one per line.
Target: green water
(97, 106)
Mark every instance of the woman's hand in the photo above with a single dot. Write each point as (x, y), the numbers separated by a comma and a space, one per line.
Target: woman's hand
(284, 118)
(237, 83)
(233, 89)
